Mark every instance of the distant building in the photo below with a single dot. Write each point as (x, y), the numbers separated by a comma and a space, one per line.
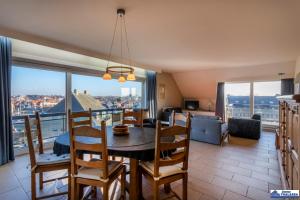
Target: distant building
(80, 102)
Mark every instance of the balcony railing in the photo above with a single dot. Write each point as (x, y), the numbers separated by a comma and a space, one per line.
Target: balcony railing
(54, 124)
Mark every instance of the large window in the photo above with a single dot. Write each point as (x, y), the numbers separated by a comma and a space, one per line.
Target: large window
(245, 99)
(44, 90)
(37, 90)
(106, 98)
(237, 100)
(265, 101)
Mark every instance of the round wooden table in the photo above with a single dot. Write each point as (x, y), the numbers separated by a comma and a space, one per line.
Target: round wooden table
(138, 145)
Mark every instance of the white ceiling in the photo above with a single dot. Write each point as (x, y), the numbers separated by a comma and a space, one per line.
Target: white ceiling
(172, 35)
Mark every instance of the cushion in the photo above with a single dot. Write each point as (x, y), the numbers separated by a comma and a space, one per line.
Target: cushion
(50, 158)
(163, 171)
(96, 173)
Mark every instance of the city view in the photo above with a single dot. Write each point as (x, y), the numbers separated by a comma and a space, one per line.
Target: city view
(266, 106)
(265, 100)
(45, 94)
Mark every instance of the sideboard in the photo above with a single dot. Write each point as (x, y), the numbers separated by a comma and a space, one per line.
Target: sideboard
(288, 141)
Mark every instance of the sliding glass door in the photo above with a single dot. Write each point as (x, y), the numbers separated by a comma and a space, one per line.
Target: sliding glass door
(245, 99)
(237, 100)
(266, 102)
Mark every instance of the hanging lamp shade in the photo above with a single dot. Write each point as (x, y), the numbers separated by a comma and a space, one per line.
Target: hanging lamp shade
(131, 77)
(122, 79)
(106, 76)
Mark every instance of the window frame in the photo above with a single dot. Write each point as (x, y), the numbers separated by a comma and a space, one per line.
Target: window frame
(68, 70)
(251, 96)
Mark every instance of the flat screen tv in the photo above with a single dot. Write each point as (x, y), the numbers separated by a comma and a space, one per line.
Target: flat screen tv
(191, 104)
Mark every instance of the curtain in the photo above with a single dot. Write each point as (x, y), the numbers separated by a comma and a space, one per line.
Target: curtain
(287, 86)
(6, 139)
(220, 104)
(151, 94)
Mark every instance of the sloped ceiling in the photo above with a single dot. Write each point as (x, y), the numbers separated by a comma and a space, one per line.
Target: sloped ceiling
(171, 35)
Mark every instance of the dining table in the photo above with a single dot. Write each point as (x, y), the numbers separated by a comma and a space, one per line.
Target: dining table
(138, 145)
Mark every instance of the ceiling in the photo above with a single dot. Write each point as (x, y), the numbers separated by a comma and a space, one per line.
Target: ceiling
(168, 35)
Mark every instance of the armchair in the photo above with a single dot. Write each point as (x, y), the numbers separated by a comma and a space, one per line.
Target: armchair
(246, 128)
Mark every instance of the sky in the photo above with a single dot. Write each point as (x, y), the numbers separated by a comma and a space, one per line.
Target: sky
(260, 88)
(28, 81)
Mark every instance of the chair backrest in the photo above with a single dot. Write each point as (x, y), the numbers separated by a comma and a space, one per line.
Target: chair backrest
(163, 144)
(133, 117)
(79, 145)
(83, 118)
(177, 117)
(29, 134)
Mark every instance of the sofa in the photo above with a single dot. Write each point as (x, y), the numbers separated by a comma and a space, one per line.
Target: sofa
(245, 128)
(209, 129)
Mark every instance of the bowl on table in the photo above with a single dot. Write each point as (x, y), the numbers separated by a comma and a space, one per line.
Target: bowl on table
(120, 130)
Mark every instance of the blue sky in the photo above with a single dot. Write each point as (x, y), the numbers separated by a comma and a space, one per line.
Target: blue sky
(43, 82)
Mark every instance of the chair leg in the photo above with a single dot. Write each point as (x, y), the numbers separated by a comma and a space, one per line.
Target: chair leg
(156, 190)
(77, 191)
(140, 177)
(123, 179)
(184, 187)
(69, 184)
(33, 186)
(73, 188)
(41, 184)
(105, 192)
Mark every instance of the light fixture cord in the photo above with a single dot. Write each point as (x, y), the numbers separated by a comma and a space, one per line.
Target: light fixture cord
(126, 38)
(113, 39)
(121, 35)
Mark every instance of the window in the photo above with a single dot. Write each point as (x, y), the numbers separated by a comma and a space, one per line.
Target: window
(37, 90)
(237, 102)
(245, 99)
(98, 94)
(43, 90)
(265, 101)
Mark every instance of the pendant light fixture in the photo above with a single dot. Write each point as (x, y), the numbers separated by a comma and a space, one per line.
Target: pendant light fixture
(121, 71)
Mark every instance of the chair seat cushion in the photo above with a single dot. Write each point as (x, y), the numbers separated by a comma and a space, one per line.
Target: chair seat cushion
(163, 171)
(96, 173)
(51, 158)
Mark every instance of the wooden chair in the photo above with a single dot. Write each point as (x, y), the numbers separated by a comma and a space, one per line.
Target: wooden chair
(44, 162)
(95, 172)
(83, 118)
(167, 169)
(134, 117)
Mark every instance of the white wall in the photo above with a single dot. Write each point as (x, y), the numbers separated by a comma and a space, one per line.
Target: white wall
(173, 96)
(202, 84)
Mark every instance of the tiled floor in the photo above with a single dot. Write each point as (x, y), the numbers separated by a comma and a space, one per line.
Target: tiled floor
(243, 169)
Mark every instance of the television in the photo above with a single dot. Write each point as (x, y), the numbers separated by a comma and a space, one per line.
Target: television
(191, 104)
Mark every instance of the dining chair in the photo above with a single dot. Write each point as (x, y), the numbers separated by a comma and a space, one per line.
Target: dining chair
(95, 172)
(43, 162)
(83, 118)
(133, 117)
(168, 165)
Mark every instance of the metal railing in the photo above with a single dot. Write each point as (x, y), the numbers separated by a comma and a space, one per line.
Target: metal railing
(54, 124)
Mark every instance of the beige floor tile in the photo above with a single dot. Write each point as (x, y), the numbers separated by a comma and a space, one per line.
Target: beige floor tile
(238, 170)
(252, 167)
(15, 194)
(269, 179)
(231, 185)
(234, 196)
(257, 194)
(262, 185)
(206, 188)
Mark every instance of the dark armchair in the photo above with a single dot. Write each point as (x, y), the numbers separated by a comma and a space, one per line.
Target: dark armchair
(246, 128)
